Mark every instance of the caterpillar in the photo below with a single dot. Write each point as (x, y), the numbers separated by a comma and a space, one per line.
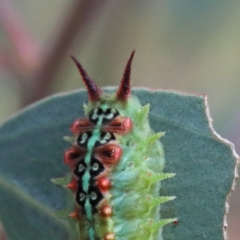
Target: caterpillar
(116, 164)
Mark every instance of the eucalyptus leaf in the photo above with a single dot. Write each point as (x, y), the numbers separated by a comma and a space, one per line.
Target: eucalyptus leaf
(31, 154)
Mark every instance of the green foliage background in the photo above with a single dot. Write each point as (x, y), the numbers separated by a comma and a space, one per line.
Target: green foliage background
(191, 46)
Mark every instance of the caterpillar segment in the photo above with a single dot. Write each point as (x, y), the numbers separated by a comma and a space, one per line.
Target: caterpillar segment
(117, 164)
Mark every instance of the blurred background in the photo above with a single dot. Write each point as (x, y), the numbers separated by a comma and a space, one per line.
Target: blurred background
(189, 46)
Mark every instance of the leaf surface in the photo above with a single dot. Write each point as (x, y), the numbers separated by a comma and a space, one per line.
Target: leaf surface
(31, 153)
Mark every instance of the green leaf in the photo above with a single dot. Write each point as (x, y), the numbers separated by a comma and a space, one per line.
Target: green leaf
(31, 154)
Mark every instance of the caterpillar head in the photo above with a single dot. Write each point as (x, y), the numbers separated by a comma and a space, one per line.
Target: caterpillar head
(95, 93)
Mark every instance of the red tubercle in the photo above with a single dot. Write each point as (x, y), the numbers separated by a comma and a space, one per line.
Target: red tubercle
(94, 92)
(74, 214)
(103, 183)
(81, 125)
(108, 154)
(176, 222)
(73, 155)
(106, 211)
(124, 90)
(73, 185)
(109, 236)
(120, 125)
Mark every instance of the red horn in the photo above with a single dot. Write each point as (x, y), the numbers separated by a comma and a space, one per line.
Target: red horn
(125, 89)
(94, 92)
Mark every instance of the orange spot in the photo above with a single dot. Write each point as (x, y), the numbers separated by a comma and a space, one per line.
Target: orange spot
(109, 236)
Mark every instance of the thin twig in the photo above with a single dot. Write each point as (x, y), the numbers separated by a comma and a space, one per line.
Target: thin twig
(2, 233)
(24, 57)
(80, 14)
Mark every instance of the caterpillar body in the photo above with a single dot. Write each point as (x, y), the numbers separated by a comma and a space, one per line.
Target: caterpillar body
(117, 165)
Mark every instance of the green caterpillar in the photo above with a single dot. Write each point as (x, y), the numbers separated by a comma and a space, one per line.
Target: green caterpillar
(117, 165)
